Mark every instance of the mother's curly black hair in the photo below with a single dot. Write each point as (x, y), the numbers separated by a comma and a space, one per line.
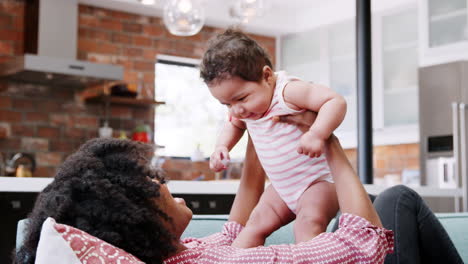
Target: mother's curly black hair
(105, 189)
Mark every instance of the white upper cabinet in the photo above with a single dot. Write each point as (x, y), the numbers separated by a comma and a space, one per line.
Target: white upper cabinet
(444, 32)
(447, 22)
(342, 71)
(328, 55)
(400, 67)
(301, 55)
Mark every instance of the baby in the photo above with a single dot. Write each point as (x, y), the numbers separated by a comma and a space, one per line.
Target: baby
(240, 75)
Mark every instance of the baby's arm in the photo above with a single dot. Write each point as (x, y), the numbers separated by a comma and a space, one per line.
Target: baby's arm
(331, 109)
(230, 135)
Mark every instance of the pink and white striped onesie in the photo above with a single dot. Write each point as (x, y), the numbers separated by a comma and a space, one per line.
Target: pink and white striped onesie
(276, 144)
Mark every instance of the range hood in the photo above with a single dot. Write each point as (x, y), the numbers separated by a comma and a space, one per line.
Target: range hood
(54, 38)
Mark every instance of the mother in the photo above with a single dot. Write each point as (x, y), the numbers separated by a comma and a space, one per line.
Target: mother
(108, 189)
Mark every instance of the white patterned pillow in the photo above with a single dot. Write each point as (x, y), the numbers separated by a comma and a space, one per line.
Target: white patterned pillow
(61, 243)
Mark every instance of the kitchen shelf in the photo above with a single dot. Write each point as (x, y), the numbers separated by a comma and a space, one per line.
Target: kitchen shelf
(14, 184)
(449, 15)
(102, 94)
(124, 101)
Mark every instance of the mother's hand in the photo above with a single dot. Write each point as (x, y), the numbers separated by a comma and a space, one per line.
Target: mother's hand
(303, 120)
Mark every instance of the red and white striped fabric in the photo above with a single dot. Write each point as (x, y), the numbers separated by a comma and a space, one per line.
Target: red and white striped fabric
(276, 144)
(356, 241)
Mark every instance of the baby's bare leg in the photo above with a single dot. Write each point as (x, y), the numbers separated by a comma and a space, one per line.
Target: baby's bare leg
(315, 208)
(270, 214)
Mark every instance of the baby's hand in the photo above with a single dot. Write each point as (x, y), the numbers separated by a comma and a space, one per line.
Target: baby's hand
(219, 159)
(311, 145)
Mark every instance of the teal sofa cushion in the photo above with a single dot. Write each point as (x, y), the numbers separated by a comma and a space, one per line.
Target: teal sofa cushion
(456, 225)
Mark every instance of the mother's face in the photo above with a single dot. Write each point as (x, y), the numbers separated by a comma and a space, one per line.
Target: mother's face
(175, 208)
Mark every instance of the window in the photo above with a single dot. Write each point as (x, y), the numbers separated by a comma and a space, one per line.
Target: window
(191, 117)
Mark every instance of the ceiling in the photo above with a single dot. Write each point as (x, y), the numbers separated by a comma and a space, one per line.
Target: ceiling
(282, 16)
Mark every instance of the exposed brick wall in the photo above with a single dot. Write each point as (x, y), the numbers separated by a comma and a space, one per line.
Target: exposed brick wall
(11, 28)
(49, 123)
(134, 41)
(391, 159)
(184, 169)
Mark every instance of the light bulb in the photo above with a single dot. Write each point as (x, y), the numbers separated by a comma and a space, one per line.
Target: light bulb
(184, 17)
(250, 12)
(148, 2)
(184, 6)
(245, 10)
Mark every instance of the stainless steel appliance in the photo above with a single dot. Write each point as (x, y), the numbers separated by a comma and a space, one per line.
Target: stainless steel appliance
(443, 99)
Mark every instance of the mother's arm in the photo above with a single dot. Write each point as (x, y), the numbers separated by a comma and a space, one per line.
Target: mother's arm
(352, 196)
(251, 186)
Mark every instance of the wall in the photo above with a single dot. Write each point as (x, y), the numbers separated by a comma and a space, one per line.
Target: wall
(47, 121)
(133, 41)
(391, 159)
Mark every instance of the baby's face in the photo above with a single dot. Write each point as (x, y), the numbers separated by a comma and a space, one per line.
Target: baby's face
(245, 99)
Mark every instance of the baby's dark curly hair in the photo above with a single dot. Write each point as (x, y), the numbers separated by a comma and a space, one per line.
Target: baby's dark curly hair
(233, 54)
(105, 189)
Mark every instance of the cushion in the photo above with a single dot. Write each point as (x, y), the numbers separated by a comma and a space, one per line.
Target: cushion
(60, 243)
(456, 225)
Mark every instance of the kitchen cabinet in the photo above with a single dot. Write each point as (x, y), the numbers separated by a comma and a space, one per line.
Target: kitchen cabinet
(208, 204)
(443, 29)
(14, 207)
(399, 60)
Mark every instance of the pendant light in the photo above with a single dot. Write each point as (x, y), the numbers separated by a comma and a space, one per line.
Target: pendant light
(245, 10)
(184, 17)
(148, 2)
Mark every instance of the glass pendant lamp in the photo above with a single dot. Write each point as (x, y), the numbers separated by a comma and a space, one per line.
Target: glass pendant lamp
(184, 17)
(148, 2)
(245, 10)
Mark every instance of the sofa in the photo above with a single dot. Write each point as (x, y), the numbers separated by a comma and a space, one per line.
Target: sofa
(456, 225)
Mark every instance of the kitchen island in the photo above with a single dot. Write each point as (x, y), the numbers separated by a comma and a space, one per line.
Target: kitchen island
(215, 197)
(13, 184)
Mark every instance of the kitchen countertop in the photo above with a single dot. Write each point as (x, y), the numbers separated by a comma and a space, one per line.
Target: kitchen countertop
(13, 184)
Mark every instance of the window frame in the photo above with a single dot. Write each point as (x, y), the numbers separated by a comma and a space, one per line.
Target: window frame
(238, 152)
